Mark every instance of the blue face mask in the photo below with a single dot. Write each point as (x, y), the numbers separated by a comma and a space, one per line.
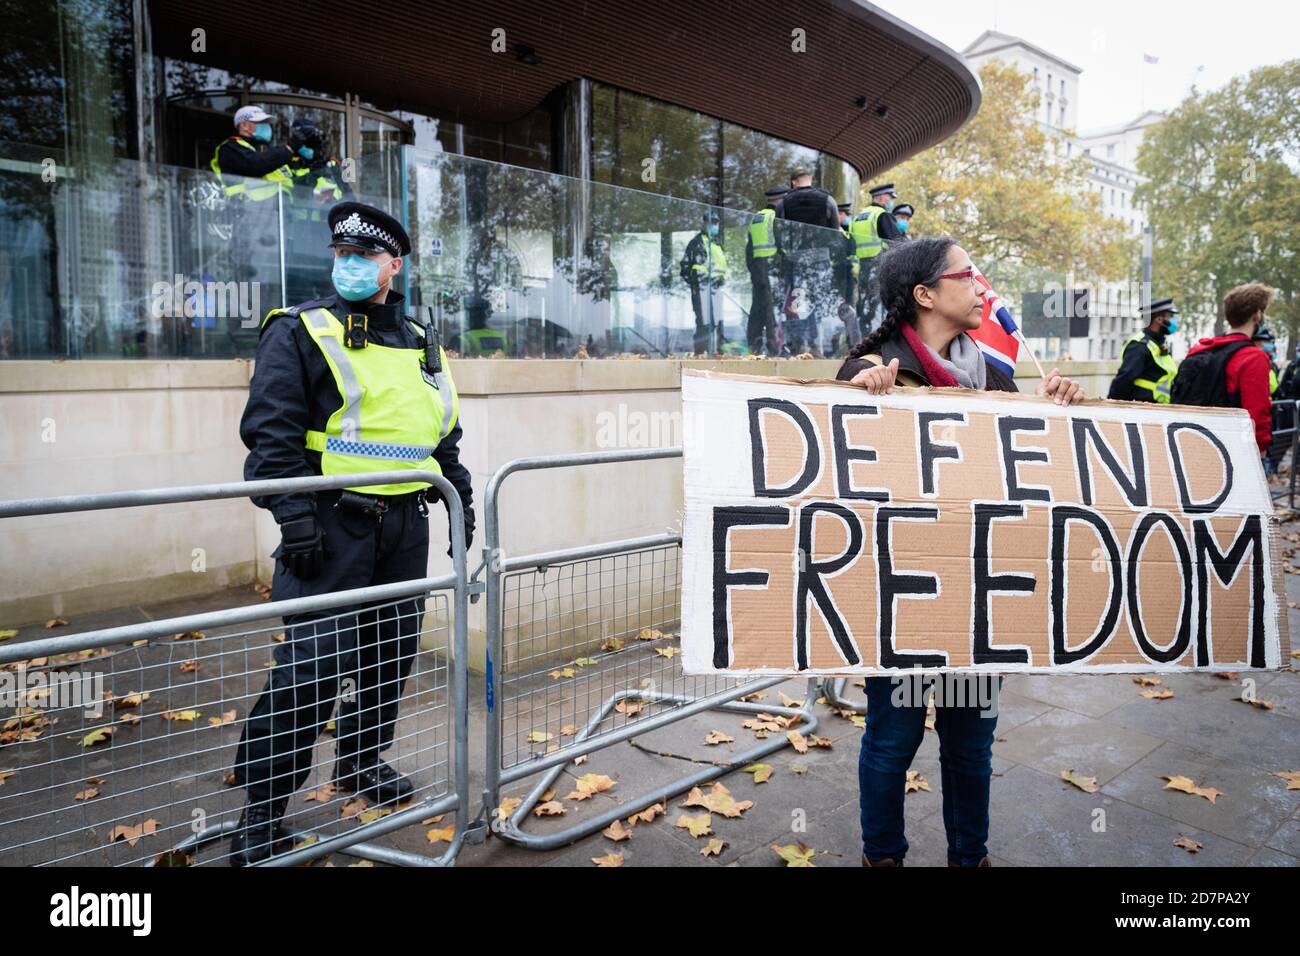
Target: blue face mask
(356, 277)
(306, 152)
(262, 132)
(902, 225)
(889, 206)
(1271, 349)
(1172, 327)
(713, 229)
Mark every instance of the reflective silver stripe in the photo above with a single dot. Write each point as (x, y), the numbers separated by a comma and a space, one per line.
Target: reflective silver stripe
(445, 389)
(350, 419)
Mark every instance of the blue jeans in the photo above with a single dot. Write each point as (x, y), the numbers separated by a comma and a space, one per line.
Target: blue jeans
(890, 741)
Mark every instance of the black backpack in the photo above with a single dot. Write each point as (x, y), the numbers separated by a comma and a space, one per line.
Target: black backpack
(1202, 378)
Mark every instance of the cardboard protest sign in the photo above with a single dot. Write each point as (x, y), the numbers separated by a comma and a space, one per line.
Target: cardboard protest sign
(829, 531)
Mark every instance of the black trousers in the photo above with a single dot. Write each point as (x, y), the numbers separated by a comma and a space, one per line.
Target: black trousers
(357, 658)
(760, 332)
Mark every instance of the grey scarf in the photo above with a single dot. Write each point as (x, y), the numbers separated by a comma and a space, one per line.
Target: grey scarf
(965, 362)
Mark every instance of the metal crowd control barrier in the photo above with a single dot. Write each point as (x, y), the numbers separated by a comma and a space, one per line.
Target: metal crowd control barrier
(1286, 437)
(120, 742)
(606, 609)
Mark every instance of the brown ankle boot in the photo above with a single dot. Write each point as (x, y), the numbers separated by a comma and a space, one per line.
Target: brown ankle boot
(885, 862)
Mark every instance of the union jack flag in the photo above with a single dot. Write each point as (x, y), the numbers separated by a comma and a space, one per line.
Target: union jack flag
(996, 335)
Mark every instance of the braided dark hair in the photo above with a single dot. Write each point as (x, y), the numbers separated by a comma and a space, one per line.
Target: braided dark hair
(903, 267)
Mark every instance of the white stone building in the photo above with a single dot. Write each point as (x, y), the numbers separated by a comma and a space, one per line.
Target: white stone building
(1115, 307)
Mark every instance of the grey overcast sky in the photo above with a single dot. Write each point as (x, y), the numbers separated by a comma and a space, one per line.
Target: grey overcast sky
(1107, 38)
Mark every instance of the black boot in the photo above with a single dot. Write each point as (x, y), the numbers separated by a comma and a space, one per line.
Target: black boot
(260, 833)
(378, 781)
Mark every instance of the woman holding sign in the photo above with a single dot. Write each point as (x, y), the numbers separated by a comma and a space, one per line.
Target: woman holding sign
(931, 301)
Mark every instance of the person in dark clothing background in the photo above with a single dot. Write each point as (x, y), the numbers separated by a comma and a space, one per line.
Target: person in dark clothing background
(1147, 369)
(807, 204)
(257, 178)
(931, 302)
(1290, 385)
(249, 153)
(809, 255)
(348, 384)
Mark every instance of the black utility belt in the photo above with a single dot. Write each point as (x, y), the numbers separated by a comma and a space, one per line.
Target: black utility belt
(375, 506)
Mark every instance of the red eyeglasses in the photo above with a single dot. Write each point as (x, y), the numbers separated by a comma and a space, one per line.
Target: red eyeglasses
(968, 275)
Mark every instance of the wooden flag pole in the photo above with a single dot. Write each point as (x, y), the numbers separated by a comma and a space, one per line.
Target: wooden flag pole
(1037, 364)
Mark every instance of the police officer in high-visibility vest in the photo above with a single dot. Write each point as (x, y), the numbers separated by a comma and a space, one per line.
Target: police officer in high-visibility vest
(704, 267)
(318, 176)
(761, 248)
(257, 178)
(318, 183)
(347, 384)
(249, 154)
(1147, 368)
(872, 229)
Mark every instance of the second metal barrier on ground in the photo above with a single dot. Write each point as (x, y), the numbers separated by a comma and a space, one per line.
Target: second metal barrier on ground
(582, 655)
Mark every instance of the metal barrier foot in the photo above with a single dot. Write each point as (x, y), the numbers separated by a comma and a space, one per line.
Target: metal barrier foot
(511, 831)
(832, 688)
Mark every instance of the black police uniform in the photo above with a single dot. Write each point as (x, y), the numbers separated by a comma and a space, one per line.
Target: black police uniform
(292, 391)
(808, 268)
(253, 163)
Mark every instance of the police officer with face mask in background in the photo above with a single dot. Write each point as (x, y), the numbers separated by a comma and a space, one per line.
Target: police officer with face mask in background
(347, 384)
(872, 230)
(903, 219)
(249, 154)
(1147, 366)
(257, 178)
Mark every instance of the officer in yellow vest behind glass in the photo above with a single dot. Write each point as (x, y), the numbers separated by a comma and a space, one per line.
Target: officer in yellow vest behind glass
(704, 267)
(317, 176)
(1147, 368)
(318, 183)
(761, 248)
(872, 229)
(347, 384)
(249, 154)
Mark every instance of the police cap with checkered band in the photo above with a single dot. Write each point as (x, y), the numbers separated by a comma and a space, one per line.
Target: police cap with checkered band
(356, 224)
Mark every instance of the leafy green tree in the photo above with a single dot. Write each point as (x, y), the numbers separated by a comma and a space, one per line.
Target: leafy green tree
(1223, 195)
(1005, 188)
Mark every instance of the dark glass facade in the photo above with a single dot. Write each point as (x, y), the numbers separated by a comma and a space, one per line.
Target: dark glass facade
(648, 145)
(563, 228)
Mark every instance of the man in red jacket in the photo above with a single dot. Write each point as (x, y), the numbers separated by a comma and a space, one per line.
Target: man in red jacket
(1245, 374)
